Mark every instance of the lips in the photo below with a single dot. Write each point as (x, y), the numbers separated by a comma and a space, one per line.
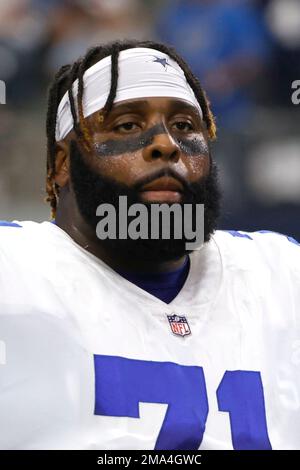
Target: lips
(164, 189)
(165, 183)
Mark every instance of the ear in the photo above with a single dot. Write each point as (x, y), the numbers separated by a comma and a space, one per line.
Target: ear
(62, 164)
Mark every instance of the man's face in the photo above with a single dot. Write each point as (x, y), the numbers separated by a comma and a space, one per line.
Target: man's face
(152, 150)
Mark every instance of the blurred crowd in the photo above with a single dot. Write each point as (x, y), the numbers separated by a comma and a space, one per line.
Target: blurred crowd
(246, 54)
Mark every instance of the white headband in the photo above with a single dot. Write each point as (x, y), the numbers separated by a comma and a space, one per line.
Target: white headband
(143, 72)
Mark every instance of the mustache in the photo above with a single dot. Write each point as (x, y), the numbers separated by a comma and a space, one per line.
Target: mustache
(187, 187)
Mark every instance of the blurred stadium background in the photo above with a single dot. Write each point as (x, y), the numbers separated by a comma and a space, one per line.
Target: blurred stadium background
(246, 54)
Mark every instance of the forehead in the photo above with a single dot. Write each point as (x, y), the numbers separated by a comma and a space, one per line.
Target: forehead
(162, 104)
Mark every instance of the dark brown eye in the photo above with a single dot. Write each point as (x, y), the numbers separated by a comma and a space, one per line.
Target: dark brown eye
(183, 126)
(127, 127)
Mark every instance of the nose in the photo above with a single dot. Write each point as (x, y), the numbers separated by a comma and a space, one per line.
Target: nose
(163, 147)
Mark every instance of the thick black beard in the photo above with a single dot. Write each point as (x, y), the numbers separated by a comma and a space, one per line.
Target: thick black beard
(92, 189)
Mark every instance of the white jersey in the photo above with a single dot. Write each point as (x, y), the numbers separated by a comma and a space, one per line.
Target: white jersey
(89, 360)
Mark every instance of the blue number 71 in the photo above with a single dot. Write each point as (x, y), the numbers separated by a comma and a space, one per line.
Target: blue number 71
(122, 383)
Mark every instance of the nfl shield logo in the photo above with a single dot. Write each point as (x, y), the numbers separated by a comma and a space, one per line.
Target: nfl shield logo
(179, 325)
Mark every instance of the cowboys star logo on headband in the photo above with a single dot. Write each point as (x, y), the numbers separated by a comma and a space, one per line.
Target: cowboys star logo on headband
(162, 61)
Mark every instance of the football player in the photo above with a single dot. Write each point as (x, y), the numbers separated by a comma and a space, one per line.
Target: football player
(141, 343)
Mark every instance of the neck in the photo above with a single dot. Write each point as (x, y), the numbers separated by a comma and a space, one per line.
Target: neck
(70, 220)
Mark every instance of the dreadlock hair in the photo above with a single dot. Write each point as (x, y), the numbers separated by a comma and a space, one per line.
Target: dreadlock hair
(63, 81)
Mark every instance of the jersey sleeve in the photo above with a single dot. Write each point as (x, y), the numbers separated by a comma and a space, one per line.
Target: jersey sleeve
(282, 254)
(277, 246)
(10, 251)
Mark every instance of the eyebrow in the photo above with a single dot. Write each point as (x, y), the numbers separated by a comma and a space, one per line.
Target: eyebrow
(183, 106)
(142, 105)
(129, 107)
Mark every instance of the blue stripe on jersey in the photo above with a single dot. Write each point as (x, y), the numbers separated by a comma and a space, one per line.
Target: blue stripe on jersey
(292, 240)
(236, 233)
(4, 223)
